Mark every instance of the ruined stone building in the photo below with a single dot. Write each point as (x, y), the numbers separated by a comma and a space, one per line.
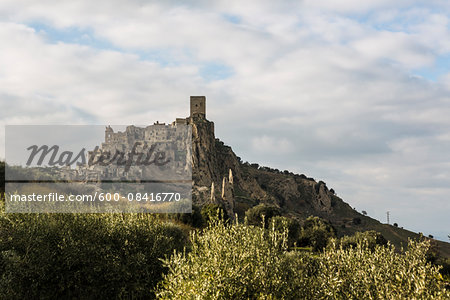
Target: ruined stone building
(183, 152)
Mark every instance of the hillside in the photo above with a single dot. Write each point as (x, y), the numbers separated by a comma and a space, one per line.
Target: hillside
(297, 195)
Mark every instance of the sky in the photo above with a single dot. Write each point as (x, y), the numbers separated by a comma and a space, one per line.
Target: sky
(354, 93)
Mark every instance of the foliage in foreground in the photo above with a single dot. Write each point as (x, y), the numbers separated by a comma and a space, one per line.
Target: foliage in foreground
(381, 273)
(370, 238)
(246, 262)
(87, 256)
(261, 214)
(316, 233)
(230, 262)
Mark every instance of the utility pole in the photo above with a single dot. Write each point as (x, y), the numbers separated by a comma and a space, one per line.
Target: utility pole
(387, 215)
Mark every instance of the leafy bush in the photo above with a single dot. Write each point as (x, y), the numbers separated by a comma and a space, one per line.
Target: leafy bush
(382, 273)
(371, 238)
(316, 233)
(213, 211)
(247, 262)
(445, 271)
(103, 256)
(235, 262)
(357, 221)
(255, 214)
(194, 219)
(432, 254)
(281, 223)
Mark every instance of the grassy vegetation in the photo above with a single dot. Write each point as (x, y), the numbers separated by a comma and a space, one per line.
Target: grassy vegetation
(182, 256)
(116, 256)
(83, 256)
(246, 262)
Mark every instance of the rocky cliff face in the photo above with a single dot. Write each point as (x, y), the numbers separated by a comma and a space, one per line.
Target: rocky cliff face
(250, 184)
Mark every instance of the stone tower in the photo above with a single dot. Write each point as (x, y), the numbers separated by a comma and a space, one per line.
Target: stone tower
(198, 106)
(108, 134)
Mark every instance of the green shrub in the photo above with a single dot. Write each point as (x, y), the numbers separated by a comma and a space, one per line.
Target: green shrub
(236, 262)
(316, 233)
(247, 262)
(255, 214)
(357, 221)
(281, 223)
(372, 238)
(55, 256)
(432, 254)
(213, 211)
(381, 273)
(194, 219)
(445, 263)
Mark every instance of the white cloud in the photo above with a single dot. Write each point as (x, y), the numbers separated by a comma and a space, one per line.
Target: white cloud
(271, 145)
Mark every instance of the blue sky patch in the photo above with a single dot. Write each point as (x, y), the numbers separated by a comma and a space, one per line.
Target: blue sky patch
(215, 71)
(232, 18)
(72, 35)
(441, 67)
(86, 37)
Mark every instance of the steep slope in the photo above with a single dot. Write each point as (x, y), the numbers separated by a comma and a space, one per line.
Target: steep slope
(297, 195)
(294, 194)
